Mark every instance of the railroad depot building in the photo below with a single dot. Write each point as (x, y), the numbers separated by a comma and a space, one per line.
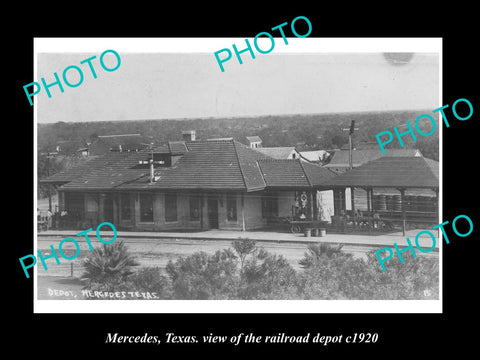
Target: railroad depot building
(188, 185)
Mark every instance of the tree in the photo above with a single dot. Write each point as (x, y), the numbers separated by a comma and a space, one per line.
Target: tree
(243, 248)
(109, 262)
(315, 252)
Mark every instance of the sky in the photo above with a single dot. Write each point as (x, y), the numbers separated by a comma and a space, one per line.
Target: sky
(189, 84)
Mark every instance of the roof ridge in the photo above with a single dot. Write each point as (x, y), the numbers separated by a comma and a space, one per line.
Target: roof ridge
(273, 159)
(238, 161)
(306, 175)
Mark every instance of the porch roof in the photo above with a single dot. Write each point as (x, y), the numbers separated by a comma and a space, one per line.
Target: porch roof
(359, 157)
(392, 172)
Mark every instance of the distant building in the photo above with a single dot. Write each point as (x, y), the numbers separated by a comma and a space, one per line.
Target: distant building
(83, 151)
(254, 142)
(286, 152)
(118, 143)
(314, 156)
(189, 135)
(65, 147)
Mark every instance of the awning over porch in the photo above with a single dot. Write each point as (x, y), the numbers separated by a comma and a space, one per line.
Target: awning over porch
(393, 172)
(399, 173)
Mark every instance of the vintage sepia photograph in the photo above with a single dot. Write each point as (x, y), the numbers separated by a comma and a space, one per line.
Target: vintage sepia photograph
(260, 188)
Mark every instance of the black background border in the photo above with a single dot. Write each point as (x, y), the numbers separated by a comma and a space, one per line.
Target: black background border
(404, 334)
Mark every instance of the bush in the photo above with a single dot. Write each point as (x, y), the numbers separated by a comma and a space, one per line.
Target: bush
(316, 251)
(248, 272)
(110, 263)
(359, 279)
(267, 276)
(339, 277)
(202, 276)
(149, 279)
(416, 278)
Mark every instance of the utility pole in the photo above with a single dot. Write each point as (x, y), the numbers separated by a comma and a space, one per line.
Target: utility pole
(350, 130)
(150, 161)
(350, 160)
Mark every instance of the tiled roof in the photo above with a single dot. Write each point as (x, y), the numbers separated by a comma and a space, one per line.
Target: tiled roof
(177, 147)
(293, 173)
(248, 160)
(206, 165)
(172, 147)
(317, 175)
(359, 157)
(104, 172)
(209, 165)
(277, 152)
(398, 172)
(98, 163)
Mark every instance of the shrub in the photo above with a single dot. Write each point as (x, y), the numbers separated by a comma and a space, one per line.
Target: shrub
(315, 251)
(249, 272)
(149, 279)
(416, 278)
(360, 279)
(246, 272)
(109, 263)
(339, 277)
(267, 276)
(202, 276)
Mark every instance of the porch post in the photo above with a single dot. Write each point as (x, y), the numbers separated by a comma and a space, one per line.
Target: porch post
(101, 207)
(312, 214)
(338, 201)
(369, 207)
(243, 212)
(61, 201)
(201, 210)
(404, 217)
(352, 199)
(49, 187)
(315, 204)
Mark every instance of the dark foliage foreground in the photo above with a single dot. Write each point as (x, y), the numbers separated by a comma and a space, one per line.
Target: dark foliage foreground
(247, 272)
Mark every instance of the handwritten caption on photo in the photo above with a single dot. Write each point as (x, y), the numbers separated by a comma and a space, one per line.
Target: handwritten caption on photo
(105, 295)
